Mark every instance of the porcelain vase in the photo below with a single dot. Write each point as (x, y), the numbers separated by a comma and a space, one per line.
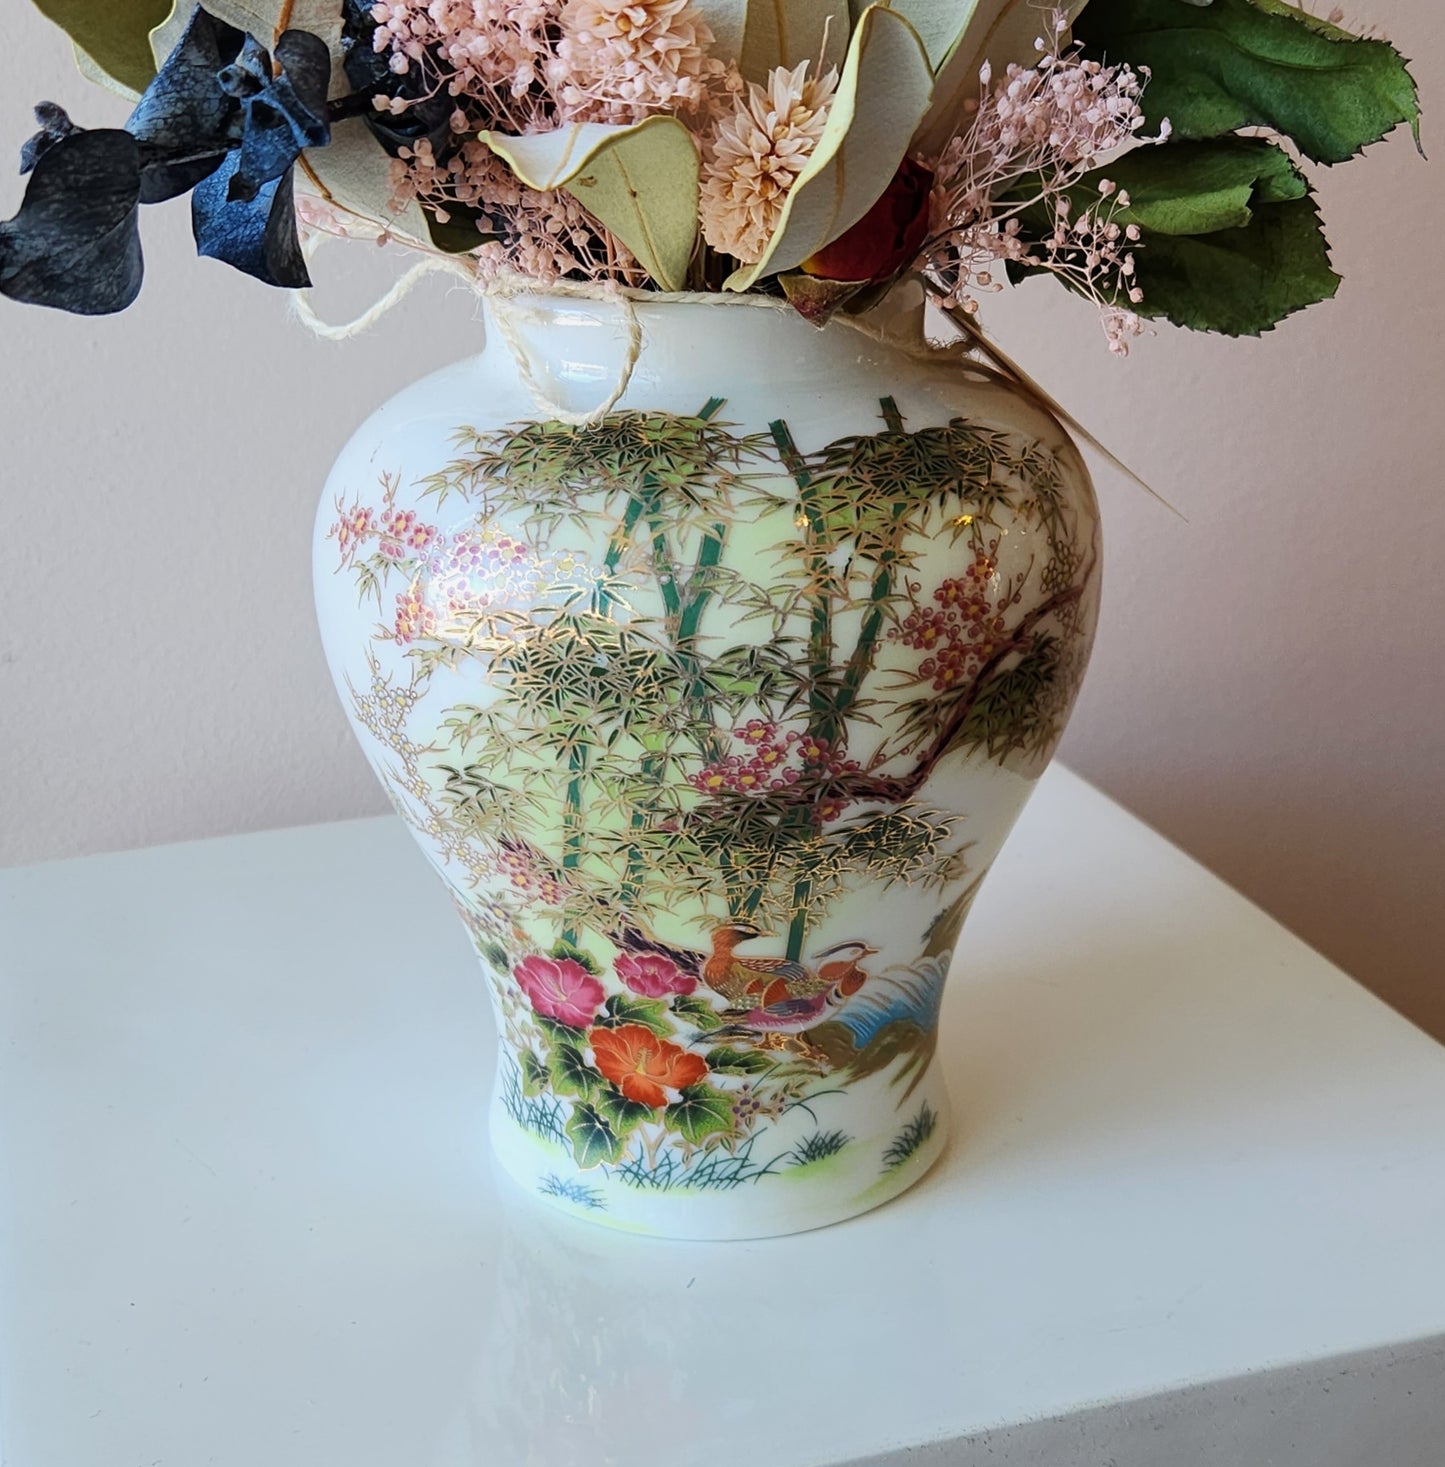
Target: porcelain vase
(710, 656)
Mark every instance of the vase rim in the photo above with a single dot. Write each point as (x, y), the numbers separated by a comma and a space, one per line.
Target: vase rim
(513, 288)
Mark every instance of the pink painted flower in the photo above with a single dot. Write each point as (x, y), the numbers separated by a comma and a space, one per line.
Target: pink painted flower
(551, 892)
(653, 975)
(560, 989)
(517, 867)
(414, 618)
(813, 750)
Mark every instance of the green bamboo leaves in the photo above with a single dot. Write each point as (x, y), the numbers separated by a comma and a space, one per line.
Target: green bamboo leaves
(882, 97)
(641, 182)
(1231, 64)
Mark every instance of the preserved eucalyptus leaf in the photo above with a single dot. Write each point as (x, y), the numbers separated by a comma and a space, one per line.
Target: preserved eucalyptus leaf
(74, 243)
(256, 235)
(286, 115)
(186, 121)
(55, 124)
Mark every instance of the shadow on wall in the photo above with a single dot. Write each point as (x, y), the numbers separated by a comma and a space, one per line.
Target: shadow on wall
(1349, 866)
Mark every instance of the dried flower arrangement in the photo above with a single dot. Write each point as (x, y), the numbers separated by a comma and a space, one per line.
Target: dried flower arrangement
(1146, 153)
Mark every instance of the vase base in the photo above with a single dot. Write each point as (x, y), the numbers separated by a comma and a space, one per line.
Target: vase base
(824, 1177)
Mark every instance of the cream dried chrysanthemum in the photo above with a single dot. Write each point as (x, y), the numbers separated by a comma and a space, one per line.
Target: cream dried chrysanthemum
(753, 154)
(620, 60)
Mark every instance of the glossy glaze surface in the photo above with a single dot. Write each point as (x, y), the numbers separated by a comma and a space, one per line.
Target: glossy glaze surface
(713, 713)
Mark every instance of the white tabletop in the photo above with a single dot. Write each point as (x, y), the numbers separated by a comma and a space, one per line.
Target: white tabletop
(249, 1220)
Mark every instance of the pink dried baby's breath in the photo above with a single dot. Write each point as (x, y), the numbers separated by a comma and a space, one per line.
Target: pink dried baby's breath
(1043, 128)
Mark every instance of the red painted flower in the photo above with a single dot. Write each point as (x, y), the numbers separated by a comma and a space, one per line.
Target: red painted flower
(652, 975)
(643, 1066)
(560, 989)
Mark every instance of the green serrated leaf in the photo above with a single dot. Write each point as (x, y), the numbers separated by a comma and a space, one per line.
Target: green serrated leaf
(622, 1114)
(701, 1112)
(114, 35)
(1201, 264)
(1232, 64)
(571, 1074)
(639, 180)
(1197, 188)
(593, 1139)
(728, 1061)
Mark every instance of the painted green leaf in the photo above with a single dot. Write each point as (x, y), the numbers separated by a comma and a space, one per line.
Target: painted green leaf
(573, 953)
(728, 1061)
(571, 1074)
(785, 32)
(697, 1012)
(113, 34)
(640, 181)
(624, 1116)
(701, 1112)
(1231, 242)
(650, 1013)
(593, 1139)
(885, 88)
(1232, 64)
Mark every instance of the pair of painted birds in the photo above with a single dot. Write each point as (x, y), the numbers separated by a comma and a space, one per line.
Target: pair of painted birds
(779, 996)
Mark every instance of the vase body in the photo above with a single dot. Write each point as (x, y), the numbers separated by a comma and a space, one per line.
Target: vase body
(712, 713)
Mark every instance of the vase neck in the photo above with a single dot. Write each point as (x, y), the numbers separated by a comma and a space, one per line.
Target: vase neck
(579, 355)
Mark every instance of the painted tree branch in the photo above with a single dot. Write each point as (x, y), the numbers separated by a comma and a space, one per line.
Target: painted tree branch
(895, 789)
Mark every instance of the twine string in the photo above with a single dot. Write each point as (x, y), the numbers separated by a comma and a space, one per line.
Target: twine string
(506, 297)
(508, 311)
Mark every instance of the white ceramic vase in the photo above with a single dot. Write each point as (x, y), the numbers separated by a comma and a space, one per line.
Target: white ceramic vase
(712, 711)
